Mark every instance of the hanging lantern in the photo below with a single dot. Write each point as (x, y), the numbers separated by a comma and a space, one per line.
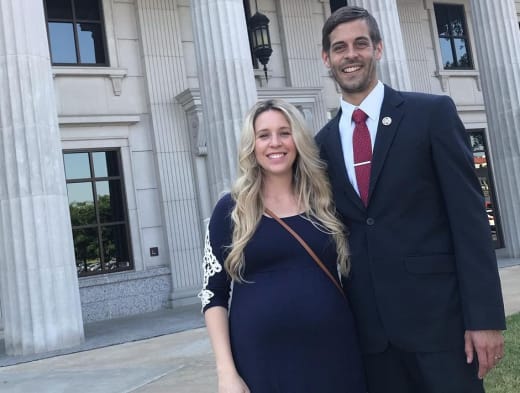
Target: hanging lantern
(261, 40)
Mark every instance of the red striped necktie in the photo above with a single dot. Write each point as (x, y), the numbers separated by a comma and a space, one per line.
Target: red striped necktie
(362, 146)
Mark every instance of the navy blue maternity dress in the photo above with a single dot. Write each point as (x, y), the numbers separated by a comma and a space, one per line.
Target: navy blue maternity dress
(291, 330)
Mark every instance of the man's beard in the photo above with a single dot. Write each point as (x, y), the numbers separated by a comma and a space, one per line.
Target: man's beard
(355, 86)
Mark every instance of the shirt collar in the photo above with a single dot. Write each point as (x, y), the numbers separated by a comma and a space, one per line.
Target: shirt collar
(371, 105)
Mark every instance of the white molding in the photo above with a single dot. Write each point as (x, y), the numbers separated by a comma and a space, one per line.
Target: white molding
(293, 94)
(471, 108)
(99, 120)
(260, 75)
(445, 75)
(116, 75)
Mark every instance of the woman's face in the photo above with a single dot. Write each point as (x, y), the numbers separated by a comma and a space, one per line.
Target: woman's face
(275, 150)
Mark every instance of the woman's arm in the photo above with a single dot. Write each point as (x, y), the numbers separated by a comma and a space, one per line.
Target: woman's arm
(218, 330)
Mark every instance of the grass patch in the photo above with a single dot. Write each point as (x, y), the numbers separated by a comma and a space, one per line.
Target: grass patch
(505, 378)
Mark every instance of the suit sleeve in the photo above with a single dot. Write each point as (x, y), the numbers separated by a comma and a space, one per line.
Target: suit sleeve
(323, 154)
(477, 270)
(217, 283)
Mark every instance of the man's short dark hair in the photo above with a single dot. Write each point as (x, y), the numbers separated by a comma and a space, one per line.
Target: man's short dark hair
(348, 14)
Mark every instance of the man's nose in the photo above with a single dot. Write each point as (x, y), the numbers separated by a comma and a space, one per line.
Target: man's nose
(350, 52)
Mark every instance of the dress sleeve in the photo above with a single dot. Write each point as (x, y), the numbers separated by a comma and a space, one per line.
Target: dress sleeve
(217, 283)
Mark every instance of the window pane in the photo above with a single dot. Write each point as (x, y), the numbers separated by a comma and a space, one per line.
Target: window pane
(76, 166)
(463, 59)
(478, 145)
(90, 43)
(110, 203)
(87, 9)
(441, 16)
(457, 24)
(106, 163)
(97, 210)
(476, 141)
(81, 204)
(61, 38)
(59, 9)
(115, 247)
(86, 248)
(447, 54)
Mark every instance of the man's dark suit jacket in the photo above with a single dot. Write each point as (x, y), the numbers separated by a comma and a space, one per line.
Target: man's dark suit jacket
(423, 265)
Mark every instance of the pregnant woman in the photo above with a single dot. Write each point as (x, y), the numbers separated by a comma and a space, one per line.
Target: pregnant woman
(287, 327)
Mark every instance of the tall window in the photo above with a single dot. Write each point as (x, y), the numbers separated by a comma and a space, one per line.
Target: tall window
(453, 36)
(483, 171)
(97, 211)
(335, 4)
(76, 32)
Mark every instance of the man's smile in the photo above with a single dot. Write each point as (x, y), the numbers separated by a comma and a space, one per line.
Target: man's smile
(350, 69)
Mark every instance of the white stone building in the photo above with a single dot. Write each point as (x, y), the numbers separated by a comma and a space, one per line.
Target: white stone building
(141, 101)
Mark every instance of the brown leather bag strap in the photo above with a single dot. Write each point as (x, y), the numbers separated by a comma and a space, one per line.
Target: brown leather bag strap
(308, 249)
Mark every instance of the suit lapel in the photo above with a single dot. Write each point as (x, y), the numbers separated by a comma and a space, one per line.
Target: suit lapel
(385, 133)
(337, 161)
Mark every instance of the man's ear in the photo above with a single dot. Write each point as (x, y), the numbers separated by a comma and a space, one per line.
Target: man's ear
(325, 58)
(379, 50)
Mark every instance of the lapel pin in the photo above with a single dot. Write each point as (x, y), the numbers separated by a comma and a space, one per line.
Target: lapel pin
(386, 121)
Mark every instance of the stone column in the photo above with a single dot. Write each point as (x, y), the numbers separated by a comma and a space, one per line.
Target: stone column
(499, 66)
(301, 38)
(227, 84)
(393, 67)
(165, 69)
(38, 280)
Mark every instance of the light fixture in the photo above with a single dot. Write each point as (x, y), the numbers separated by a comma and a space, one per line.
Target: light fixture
(261, 40)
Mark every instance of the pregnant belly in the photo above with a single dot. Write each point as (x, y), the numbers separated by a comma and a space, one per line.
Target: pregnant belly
(288, 305)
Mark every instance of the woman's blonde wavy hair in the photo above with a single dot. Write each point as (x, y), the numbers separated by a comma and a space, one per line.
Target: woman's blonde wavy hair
(310, 183)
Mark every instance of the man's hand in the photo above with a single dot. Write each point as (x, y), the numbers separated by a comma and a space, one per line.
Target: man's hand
(489, 346)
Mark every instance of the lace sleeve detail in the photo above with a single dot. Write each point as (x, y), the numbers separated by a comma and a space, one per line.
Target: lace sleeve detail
(210, 266)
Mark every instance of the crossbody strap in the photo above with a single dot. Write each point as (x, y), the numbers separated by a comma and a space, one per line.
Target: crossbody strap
(308, 249)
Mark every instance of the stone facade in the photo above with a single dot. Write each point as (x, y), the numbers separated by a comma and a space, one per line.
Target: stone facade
(176, 136)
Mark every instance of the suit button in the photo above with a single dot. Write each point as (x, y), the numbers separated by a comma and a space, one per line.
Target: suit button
(370, 221)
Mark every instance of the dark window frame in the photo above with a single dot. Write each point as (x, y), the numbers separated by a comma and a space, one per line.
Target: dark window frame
(99, 225)
(335, 4)
(447, 11)
(486, 173)
(74, 21)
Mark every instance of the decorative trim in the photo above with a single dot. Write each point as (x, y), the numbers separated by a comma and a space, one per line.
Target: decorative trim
(260, 75)
(304, 98)
(296, 95)
(210, 266)
(116, 75)
(101, 119)
(445, 75)
(113, 278)
(190, 101)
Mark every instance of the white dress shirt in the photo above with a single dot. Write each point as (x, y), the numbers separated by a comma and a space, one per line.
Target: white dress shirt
(371, 105)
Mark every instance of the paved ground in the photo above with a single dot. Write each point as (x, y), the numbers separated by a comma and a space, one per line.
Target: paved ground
(175, 363)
